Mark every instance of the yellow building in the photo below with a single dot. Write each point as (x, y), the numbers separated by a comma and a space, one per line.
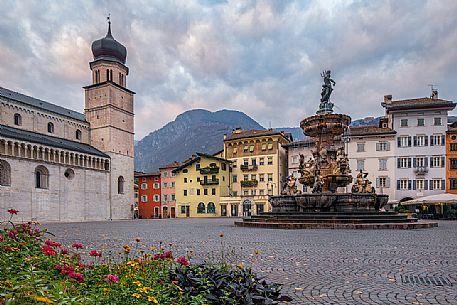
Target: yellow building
(200, 183)
(259, 167)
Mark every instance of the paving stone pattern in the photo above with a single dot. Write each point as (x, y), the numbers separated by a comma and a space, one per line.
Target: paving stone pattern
(315, 266)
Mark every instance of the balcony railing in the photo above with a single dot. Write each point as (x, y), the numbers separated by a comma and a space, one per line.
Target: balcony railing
(421, 170)
(209, 182)
(249, 183)
(209, 170)
(248, 168)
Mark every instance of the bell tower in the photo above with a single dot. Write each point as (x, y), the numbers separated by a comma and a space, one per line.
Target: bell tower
(109, 110)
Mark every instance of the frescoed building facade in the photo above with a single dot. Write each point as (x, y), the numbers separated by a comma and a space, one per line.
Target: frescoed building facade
(168, 189)
(149, 205)
(451, 159)
(201, 181)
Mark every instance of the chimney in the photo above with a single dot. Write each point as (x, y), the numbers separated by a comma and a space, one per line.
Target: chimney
(237, 130)
(434, 94)
(388, 99)
(225, 136)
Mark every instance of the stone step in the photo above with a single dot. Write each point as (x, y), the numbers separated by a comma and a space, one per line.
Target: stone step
(368, 226)
(333, 220)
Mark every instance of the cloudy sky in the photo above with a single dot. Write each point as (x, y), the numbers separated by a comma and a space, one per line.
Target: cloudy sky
(261, 57)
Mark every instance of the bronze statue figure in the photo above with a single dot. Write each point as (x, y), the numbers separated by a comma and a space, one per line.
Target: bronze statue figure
(326, 106)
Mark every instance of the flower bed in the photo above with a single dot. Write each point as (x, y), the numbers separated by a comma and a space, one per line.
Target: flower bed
(37, 270)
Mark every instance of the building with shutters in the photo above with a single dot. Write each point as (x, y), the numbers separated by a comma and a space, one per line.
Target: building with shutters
(149, 195)
(57, 164)
(420, 144)
(451, 159)
(168, 189)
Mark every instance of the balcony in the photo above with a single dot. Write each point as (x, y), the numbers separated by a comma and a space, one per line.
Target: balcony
(209, 170)
(248, 168)
(249, 183)
(209, 182)
(421, 170)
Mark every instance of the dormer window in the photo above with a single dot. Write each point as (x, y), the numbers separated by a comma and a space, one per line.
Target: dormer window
(78, 134)
(17, 119)
(50, 127)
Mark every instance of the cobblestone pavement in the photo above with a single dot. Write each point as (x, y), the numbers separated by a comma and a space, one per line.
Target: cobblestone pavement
(315, 266)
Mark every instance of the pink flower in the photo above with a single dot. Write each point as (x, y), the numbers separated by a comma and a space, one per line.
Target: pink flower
(12, 234)
(77, 246)
(77, 276)
(52, 244)
(13, 211)
(95, 253)
(111, 279)
(183, 261)
(48, 251)
(1, 238)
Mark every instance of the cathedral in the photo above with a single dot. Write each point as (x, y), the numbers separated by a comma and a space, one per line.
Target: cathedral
(57, 164)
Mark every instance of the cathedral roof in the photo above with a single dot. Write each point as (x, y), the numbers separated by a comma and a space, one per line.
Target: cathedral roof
(109, 48)
(29, 136)
(31, 101)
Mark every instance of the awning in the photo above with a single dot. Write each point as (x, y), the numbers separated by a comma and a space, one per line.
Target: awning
(444, 198)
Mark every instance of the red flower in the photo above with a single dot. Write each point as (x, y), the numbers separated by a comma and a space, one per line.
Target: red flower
(167, 254)
(12, 234)
(183, 261)
(52, 244)
(64, 269)
(48, 251)
(111, 279)
(77, 276)
(77, 246)
(13, 211)
(64, 251)
(95, 253)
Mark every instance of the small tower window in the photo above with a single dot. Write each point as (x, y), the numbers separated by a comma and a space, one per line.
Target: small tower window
(17, 119)
(111, 75)
(107, 75)
(78, 134)
(50, 127)
(41, 177)
(120, 185)
(5, 173)
(97, 76)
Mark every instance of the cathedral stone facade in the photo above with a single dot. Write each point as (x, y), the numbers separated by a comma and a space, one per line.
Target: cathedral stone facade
(57, 164)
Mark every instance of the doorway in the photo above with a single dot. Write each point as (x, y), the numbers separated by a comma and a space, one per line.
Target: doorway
(172, 212)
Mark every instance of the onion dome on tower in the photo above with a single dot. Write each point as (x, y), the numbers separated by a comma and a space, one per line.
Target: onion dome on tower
(109, 48)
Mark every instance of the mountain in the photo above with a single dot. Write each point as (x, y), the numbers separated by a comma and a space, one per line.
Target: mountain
(193, 131)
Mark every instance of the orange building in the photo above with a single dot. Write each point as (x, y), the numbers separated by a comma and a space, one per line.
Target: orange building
(451, 156)
(168, 189)
(149, 205)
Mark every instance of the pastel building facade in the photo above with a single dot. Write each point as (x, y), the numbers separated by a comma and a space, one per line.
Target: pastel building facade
(168, 189)
(149, 192)
(201, 181)
(57, 164)
(451, 159)
(259, 167)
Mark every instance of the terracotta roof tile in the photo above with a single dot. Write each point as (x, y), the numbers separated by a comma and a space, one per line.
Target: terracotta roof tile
(418, 102)
(253, 133)
(173, 164)
(370, 130)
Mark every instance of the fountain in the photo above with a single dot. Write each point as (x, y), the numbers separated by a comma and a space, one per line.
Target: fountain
(328, 174)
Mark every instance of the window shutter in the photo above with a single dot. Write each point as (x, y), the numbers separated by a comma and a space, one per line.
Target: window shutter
(388, 182)
(378, 147)
(414, 184)
(409, 141)
(431, 141)
(388, 146)
(398, 162)
(426, 141)
(443, 184)
(398, 142)
(443, 160)
(431, 185)
(398, 184)
(377, 182)
(425, 185)
(414, 162)
(415, 140)
(409, 184)
(443, 140)
(409, 162)
(426, 161)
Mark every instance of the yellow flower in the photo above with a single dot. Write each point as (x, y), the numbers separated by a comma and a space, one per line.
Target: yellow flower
(136, 295)
(106, 291)
(41, 299)
(138, 283)
(152, 299)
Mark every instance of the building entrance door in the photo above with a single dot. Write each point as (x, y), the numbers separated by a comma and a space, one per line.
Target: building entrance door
(187, 211)
(165, 212)
(223, 210)
(247, 205)
(172, 212)
(234, 212)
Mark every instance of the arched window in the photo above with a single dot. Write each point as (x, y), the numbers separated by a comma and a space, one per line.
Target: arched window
(78, 134)
(211, 208)
(41, 177)
(50, 127)
(5, 173)
(120, 185)
(201, 208)
(17, 119)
